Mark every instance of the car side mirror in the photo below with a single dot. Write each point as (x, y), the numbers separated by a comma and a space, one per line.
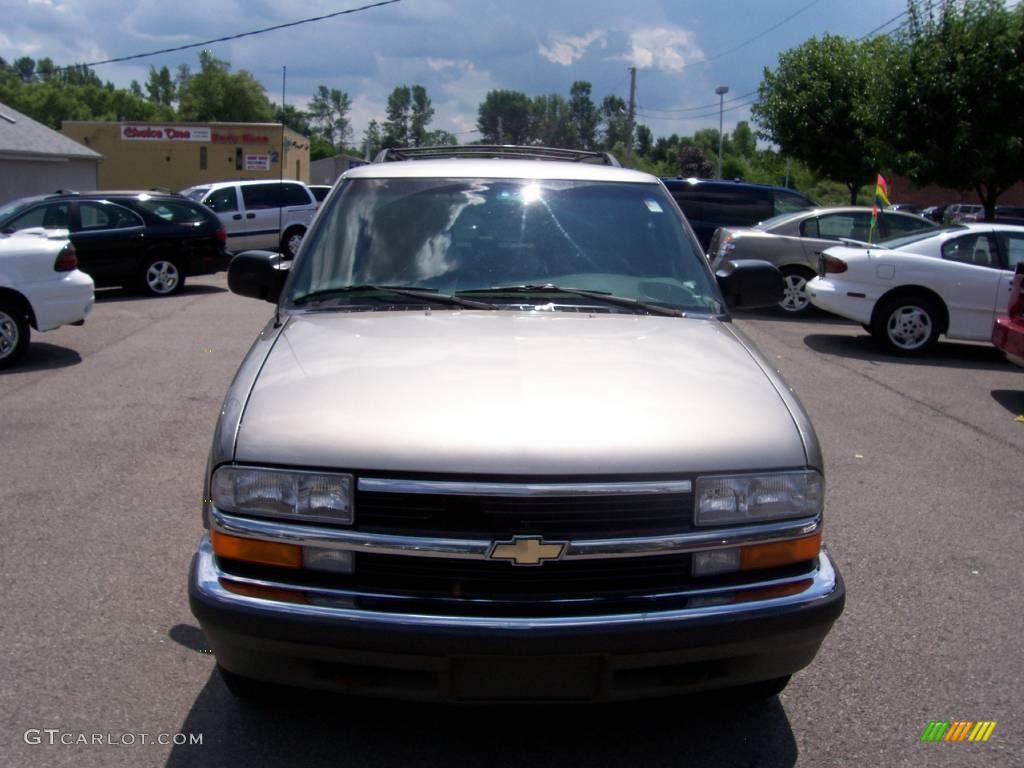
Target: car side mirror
(258, 275)
(750, 283)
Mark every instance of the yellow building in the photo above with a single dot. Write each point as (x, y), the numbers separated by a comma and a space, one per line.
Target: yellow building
(179, 155)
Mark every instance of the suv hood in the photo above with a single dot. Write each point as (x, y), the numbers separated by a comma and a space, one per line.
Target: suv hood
(515, 393)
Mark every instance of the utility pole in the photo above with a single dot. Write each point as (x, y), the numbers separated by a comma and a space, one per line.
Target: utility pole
(632, 115)
(721, 91)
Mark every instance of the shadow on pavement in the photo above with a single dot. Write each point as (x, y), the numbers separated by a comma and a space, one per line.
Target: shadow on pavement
(1011, 399)
(310, 729)
(42, 356)
(947, 354)
(110, 295)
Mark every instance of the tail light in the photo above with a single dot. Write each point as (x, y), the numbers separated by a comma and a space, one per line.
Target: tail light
(67, 259)
(833, 265)
(222, 235)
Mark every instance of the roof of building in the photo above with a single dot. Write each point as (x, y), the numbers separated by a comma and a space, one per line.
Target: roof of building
(21, 135)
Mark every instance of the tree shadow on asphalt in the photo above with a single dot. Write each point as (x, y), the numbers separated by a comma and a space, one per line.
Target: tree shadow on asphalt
(42, 356)
(112, 295)
(312, 729)
(945, 354)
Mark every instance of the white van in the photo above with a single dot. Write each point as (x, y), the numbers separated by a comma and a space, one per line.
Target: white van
(267, 215)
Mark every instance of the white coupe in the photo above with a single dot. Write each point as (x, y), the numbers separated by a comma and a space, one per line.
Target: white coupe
(909, 290)
(40, 287)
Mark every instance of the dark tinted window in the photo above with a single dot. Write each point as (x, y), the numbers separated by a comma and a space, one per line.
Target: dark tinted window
(52, 216)
(257, 196)
(106, 216)
(222, 200)
(897, 226)
(173, 211)
(1013, 246)
(320, 193)
(789, 202)
(295, 194)
(735, 205)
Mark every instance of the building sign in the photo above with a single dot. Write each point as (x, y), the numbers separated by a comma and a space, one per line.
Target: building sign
(239, 138)
(257, 162)
(164, 133)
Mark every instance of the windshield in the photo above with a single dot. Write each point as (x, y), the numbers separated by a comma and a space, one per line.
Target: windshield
(916, 237)
(781, 218)
(11, 208)
(455, 235)
(196, 193)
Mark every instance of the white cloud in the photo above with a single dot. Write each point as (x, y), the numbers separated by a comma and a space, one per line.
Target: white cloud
(665, 48)
(565, 49)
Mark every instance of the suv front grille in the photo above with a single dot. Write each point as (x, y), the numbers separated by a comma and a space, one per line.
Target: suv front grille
(500, 517)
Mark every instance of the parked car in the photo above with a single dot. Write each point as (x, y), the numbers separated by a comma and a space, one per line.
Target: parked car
(1008, 332)
(145, 240)
(499, 441)
(41, 287)
(934, 213)
(909, 291)
(959, 213)
(710, 204)
(260, 214)
(793, 242)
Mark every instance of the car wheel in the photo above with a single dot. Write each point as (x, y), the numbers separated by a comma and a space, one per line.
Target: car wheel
(795, 302)
(906, 325)
(291, 241)
(14, 334)
(161, 276)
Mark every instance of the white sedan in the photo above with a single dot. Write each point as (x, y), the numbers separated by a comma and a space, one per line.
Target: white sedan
(40, 287)
(907, 291)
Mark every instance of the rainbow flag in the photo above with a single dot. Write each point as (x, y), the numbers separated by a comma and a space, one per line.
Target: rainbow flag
(881, 201)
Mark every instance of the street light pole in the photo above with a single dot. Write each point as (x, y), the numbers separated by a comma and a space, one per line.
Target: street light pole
(721, 91)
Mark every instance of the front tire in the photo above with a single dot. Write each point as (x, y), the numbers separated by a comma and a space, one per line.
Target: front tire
(14, 334)
(906, 325)
(161, 276)
(795, 302)
(291, 240)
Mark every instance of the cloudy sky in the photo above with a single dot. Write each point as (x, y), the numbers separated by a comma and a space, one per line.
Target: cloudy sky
(458, 49)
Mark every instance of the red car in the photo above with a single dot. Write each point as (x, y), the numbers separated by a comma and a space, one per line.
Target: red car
(1008, 332)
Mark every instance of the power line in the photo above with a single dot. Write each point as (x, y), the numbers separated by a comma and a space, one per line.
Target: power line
(235, 37)
(702, 106)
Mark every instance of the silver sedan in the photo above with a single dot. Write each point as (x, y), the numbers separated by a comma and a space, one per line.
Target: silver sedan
(793, 242)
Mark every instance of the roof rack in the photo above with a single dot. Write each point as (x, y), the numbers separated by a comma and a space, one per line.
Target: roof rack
(492, 151)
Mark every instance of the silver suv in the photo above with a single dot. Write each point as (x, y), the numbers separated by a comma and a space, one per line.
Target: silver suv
(500, 441)
(260, 214)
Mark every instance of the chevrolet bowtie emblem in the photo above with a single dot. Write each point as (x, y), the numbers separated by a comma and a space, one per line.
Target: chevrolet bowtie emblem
(526, 550)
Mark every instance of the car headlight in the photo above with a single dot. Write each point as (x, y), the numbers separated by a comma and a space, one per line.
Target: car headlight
(314, 496)
(732, 499)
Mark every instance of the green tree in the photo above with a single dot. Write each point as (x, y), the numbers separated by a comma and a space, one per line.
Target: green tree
(319, 148)
(215, 93)
(549, 121)
(329, 115)
(160, 88)
(583, 115)
(399, 114)
(503, 117)
(644, 141)
(440, 138)
(955, 115)
(294, 118)
(615, 121)
(694, 163)
(421, 114)
(821, 105)
(373, 139)
(744, 143)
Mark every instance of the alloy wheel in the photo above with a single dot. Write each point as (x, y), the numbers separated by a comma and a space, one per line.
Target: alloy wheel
(794, 295)
(162, 277)
(9, 335)
(909, 327)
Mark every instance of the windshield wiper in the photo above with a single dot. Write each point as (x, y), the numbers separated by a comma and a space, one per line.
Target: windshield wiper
(427, 294)
(605, 296)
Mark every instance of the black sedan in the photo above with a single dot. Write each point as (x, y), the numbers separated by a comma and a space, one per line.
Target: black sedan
(146, 240)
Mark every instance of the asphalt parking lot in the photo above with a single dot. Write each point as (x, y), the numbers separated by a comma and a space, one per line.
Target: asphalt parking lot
(105, 434)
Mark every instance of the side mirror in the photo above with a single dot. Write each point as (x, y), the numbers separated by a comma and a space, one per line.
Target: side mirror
(258, 275)
(750, 284)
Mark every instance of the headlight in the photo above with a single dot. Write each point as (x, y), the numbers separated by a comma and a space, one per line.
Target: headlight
(313, 496)
(732, 499)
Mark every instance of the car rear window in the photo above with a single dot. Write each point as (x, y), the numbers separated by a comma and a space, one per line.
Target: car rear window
(295, 194)
(172, 211)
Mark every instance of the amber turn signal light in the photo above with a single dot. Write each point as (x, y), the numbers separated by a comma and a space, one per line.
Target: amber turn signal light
(256, 551)
(780, 553)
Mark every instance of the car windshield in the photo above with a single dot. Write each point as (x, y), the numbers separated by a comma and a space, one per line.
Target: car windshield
(11, 208)
(916, 237)
(456, 235)
(196, 193)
